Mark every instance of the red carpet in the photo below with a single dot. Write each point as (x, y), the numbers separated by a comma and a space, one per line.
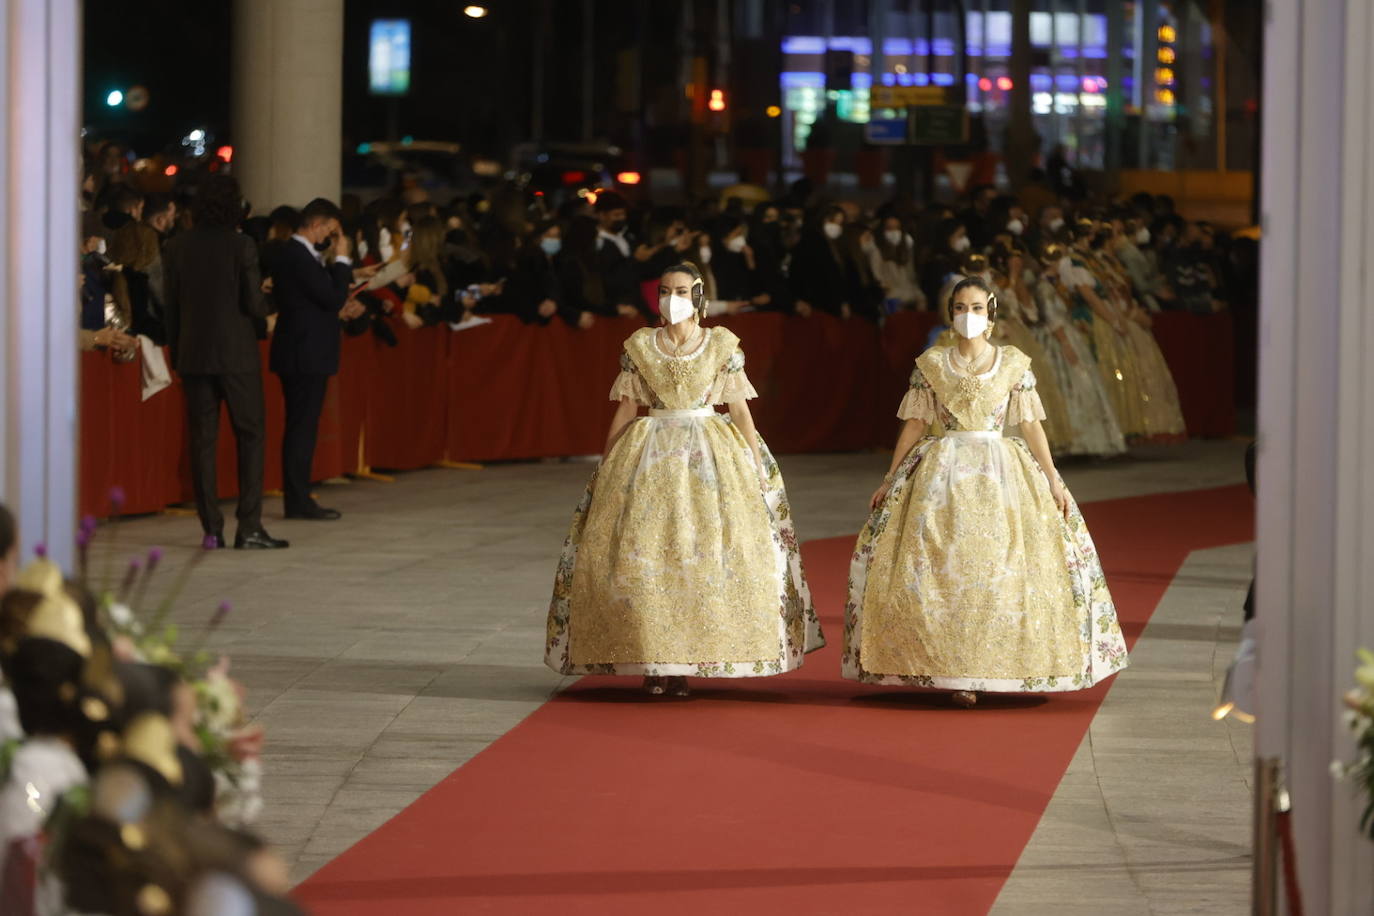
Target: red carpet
(801, 794)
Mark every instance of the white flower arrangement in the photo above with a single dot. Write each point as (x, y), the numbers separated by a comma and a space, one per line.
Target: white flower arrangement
(1359, 718)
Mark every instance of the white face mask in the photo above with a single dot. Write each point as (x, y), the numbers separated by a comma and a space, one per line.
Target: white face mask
(893, 236)
(100, 246)
(676, 308)
(970, 324)
(1142, 237)
(1016, 227)
(961, 244)
(833, 230)
(736, 244)
(1056, 224)
(362, 248)
(384, 247)
(704, 252)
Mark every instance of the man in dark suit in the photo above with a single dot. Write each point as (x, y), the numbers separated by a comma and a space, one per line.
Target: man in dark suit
(213, 295)
(621, 270)
(311, 280)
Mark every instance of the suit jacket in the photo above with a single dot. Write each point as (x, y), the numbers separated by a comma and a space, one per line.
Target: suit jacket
(309, 296)
(621, 275)
(213, 295)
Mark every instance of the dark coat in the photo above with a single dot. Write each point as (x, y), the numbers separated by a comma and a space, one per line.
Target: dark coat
(309, 296)
(213, 295)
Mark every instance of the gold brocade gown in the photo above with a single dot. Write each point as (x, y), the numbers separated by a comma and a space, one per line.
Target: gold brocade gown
(679, 562)
(967, 577)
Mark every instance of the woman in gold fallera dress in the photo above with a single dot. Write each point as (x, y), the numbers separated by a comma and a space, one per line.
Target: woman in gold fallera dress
(682, 559)
(975, 571)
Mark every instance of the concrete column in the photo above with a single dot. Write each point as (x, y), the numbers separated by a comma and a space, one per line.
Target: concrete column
(288, 100)
(1315, 589)
(40, 60)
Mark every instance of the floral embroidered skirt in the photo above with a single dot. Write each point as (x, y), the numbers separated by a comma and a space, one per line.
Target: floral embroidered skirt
(968, 578)
(679, 563)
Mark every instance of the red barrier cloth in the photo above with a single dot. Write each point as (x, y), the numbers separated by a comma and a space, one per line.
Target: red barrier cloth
(1200, 351)
(407, 397)
(509, 391)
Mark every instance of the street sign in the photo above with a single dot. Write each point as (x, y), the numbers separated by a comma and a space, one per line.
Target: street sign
(906, 96)
(959, 173)
(885, 130)
(939, 125)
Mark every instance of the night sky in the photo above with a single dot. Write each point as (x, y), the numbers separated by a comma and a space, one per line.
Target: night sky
(471, 79)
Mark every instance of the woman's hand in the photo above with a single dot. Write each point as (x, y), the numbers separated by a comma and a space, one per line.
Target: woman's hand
(1060, 494)
(880, 495)
(113, 339)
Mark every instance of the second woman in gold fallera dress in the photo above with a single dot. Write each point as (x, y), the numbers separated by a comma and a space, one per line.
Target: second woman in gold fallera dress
(682, 559)
(975, 571)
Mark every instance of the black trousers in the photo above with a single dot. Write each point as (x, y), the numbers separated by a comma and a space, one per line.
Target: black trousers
(242, 393)
(304, 396)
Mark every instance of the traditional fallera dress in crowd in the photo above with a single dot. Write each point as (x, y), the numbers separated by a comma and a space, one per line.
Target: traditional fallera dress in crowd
(1071, 360)
(679, 562)
(968, 577)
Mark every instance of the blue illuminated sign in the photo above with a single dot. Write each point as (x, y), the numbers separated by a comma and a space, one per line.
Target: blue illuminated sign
(388, 57)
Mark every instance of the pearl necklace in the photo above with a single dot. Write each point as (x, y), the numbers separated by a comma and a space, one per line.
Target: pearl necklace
(970, 364)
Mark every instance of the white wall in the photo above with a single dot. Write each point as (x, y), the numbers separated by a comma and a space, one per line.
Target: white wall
(40, 54)
(1315, 590)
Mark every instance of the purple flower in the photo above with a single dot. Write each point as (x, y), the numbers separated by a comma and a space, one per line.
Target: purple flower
(40, 550)
(117, 498)
(221, 612)
(88, 524)
(154, 557)
(83, 539)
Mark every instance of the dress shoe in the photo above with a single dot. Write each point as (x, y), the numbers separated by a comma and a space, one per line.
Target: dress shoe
(258, 540)
(314, 512)
(212, 542)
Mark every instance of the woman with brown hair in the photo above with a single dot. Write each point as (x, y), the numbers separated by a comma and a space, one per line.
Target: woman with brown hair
(682, 559)
(975, 571)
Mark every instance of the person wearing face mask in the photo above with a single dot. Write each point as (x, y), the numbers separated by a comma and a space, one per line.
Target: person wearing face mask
(312, 289)
(1129, 241)
(682, 558)
(822, 272)
(1049, 227)
(893, 262)
(768, 242)
(536, 289)
(951, 246)
(615, 256)
(975, 572)
(734, 269)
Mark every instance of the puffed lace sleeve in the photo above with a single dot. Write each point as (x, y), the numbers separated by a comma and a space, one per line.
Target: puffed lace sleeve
(1025, 403)
(919, 403)
(630, 384)
(732, 385)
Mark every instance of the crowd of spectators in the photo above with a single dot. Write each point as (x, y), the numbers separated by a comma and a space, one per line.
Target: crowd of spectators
(509, 252)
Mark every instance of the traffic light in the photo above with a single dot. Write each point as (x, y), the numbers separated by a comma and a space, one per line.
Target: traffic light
(1166, 56)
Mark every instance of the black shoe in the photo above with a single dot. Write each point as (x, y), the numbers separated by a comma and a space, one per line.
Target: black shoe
(314, 512)
(258, 540)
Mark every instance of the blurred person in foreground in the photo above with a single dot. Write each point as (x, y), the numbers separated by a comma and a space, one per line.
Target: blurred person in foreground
(311, 281)
(214, 297)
